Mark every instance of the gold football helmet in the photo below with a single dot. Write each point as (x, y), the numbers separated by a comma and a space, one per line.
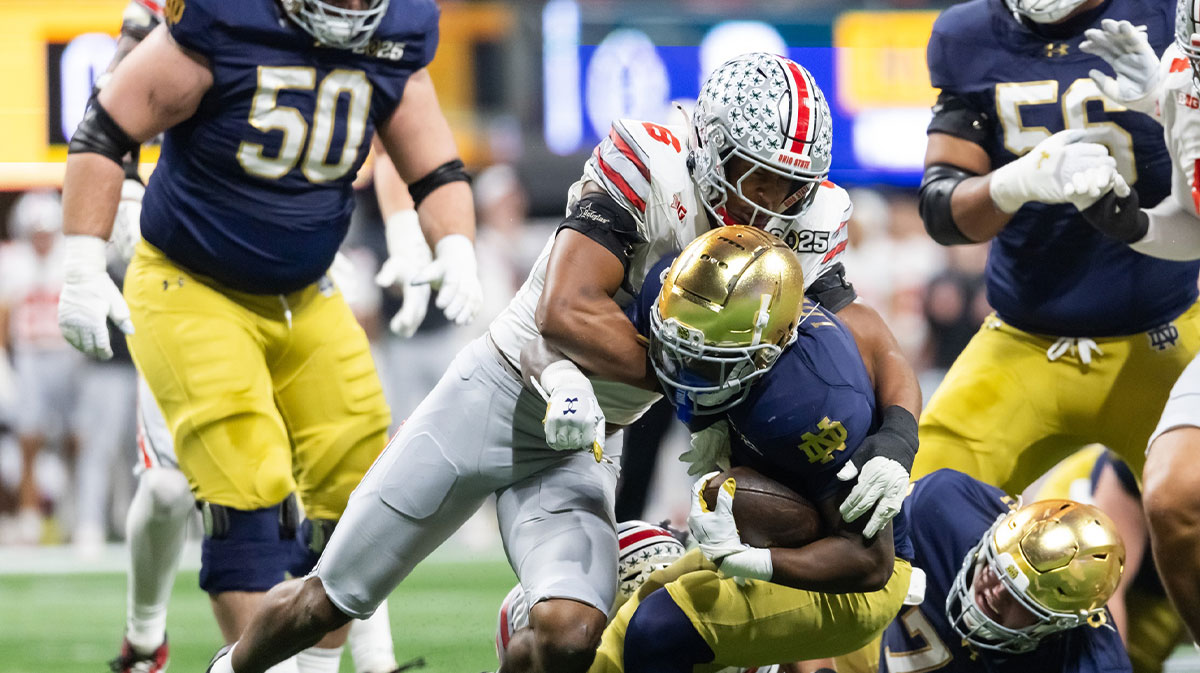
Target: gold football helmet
(1061, 560)
(729, 304)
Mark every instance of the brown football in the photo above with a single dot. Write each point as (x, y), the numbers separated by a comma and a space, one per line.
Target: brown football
(768, 514)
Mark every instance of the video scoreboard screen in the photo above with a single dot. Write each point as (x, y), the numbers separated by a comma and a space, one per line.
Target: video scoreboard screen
(602, 64)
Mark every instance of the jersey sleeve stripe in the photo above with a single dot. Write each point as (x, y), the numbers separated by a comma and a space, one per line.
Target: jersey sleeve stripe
(618, 181)
(837, 250)
(151, 5)
(629, 153)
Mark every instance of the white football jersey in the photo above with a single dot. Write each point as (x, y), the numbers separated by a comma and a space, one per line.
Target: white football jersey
(29, 288)
(1178, 110)
(643, 166)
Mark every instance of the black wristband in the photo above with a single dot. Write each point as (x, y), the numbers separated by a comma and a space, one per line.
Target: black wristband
(451, 171)
(1120, 218)
(902, 425)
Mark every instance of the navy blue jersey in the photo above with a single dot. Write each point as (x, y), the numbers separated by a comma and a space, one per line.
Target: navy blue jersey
(804, 418)
(254, 189)
(1048, 271)
(949, 513)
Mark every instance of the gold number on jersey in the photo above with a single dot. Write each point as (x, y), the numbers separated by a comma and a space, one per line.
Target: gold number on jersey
(266, 115)
(1019, 139)
(932, 656)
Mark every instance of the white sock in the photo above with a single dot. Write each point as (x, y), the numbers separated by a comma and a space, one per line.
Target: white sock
(156, 528)
(371, 643)
(319, 660)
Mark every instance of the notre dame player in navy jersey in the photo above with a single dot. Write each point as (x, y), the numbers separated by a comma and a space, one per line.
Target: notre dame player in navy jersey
(263, 376)
(969, 539)
(795, 413)
(1088, 335)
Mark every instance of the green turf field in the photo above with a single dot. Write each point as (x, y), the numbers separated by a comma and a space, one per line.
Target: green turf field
(72, 623)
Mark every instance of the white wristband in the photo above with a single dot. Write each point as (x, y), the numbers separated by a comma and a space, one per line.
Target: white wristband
(1004, 190)
(562, 374)
(84, 255)
(753, 564)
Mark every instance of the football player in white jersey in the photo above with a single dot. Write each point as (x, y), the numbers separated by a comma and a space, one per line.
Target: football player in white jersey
(1167, 89)
(480, 431)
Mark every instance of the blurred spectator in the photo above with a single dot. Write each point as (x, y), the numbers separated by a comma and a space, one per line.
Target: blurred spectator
(955, 306)
(47, 368)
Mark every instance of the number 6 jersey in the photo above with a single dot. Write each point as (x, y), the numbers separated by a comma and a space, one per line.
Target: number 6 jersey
(643, 167)
(254, 189)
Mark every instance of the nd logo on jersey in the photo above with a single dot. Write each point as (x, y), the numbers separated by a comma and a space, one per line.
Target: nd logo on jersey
(173, 11)
(819, 447)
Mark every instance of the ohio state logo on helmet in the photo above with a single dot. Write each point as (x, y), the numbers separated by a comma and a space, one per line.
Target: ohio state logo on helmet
(768, 111)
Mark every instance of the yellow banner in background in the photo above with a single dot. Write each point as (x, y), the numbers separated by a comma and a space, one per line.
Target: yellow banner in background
(880, 59)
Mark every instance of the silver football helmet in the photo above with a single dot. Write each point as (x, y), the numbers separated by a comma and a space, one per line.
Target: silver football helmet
(1187, 34)
(768, 111)
(1043, 11)
(335, 26)
(36, 211)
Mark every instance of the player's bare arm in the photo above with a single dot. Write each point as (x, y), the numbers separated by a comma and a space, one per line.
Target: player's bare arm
(576, 313)
(157, 86)
(418, 140)
(845, 561)
(894, 379)
(971, 205)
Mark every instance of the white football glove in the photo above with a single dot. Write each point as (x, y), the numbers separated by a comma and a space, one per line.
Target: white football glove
(710, 450)
(89, 298)
(1060, 169)
(127, 225)
(573, 419)
(1128, 51)
(886, 457)
(408, 253)
(717, 536)
(454, 276)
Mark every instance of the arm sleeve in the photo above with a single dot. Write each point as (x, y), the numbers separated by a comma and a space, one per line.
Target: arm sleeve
(601, 218)
(1173, 233)
(832, 291)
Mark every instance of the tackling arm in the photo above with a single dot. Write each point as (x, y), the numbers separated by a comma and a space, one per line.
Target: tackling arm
(894, 380)
(577, 316)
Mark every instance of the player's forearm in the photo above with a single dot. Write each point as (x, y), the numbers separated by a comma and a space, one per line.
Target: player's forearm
(536, 356)
(91, 191)
(836, 564)
(596, 335)
(448, 210)
(975, 214)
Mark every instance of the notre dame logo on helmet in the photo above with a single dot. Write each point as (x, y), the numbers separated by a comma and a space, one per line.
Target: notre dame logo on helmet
(173, 11)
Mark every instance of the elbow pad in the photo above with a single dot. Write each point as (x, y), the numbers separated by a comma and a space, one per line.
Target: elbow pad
(937, 185)
(100, 134)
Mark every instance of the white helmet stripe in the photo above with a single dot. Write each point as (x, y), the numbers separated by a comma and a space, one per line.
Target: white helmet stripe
(1195, 10)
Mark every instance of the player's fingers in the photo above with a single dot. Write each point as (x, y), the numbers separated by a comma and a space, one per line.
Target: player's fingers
(1120, 187)
(118, 311)
(848, 471)
(725, 495)
(430, 274)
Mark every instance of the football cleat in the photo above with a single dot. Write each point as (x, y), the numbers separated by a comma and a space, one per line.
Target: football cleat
(130, 661)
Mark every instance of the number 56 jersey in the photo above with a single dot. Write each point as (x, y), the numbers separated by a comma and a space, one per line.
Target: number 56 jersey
(254, 190)
(1006, 86)
(643, 167)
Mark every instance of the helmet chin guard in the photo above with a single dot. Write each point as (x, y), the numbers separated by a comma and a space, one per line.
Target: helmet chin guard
(335, 26)
(1044, 11)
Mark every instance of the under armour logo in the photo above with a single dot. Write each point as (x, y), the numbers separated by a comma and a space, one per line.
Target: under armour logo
(1164, 337)
(1045, 156)
(1059, 49)
(571, 402)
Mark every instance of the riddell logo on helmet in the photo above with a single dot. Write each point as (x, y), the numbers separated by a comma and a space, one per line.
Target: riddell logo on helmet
(788, 159)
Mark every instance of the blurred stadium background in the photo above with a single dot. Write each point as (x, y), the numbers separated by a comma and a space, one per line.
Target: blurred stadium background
(530, 87)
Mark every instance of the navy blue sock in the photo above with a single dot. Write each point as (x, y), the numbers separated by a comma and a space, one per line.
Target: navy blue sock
(661, 639)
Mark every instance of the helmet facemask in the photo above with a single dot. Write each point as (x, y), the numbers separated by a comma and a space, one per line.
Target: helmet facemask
(335, 26)
(707, 379)
(1187, 35)
(768, 112)
(1044, 11)
(982, 631)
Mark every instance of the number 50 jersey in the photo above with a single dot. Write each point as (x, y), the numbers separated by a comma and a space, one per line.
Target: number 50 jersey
(254, 190)
(1006, 88)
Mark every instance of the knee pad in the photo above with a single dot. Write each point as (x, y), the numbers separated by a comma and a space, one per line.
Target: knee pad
(170, 495)
(245, 550)
(311, 538)
(660, 634)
